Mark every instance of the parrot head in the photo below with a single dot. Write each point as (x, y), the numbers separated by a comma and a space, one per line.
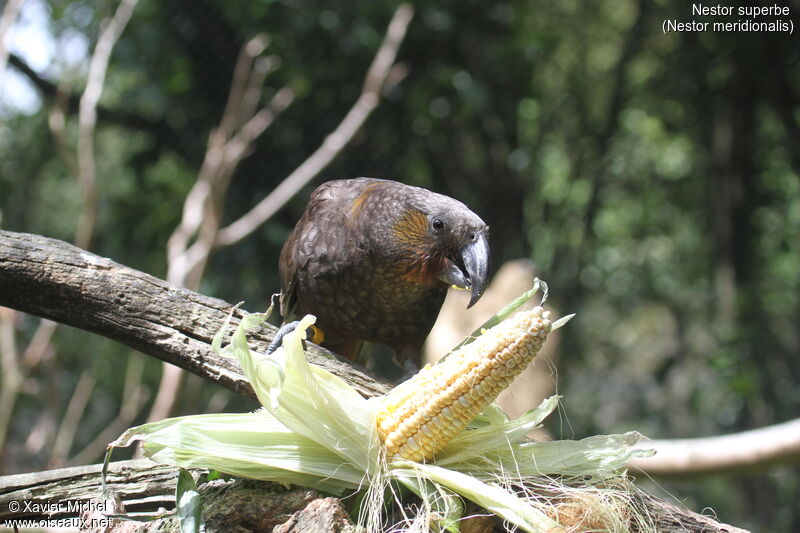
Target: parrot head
(442, 240)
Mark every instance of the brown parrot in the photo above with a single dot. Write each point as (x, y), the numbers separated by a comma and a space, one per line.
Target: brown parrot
(372, 260)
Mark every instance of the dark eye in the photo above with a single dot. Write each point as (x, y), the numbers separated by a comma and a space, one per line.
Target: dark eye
(437, 224)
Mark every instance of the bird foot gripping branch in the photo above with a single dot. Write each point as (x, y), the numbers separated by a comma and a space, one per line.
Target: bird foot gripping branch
(313, 334)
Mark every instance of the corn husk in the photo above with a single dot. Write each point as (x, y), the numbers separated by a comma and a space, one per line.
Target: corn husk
(315, 430)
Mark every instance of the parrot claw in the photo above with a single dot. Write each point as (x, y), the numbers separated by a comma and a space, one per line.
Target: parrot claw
(313, 334)
(282, 332)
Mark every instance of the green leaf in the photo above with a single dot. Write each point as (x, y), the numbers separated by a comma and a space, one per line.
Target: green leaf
(310, 400)
(252, 445)
(216, 342)
(104, 471)
(598, 457)
(491, 497)
(474, 443)
(188, 504)
(443, 507)
(563, 320)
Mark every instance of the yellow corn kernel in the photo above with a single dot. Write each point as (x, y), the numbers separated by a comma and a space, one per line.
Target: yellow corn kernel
(419, 417)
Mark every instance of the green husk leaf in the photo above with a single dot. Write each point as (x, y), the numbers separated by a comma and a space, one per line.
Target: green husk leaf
(562, 321)
(216, 342)
(309, 400)
(491, 415)
(598, 457)
(188, 504)
(473, 443)
(252, 445)
(490, 496)
(443, 508)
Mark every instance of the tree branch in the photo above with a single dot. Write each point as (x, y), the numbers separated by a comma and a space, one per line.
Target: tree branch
(747, 450)
(159, 129)
(334, 143)
(72, 419)
(134, 395)
(7, 19)
(55, 280)
(87, 117)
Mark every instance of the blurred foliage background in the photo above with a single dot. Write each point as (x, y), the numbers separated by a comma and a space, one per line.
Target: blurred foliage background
(652, 178)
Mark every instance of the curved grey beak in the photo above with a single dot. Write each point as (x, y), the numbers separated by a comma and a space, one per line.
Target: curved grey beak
(472, 272)
(476, 260)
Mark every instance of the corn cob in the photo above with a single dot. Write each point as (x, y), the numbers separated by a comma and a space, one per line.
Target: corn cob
(419, 417)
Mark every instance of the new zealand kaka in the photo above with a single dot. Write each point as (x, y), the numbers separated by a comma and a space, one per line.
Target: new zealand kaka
(372, 260)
